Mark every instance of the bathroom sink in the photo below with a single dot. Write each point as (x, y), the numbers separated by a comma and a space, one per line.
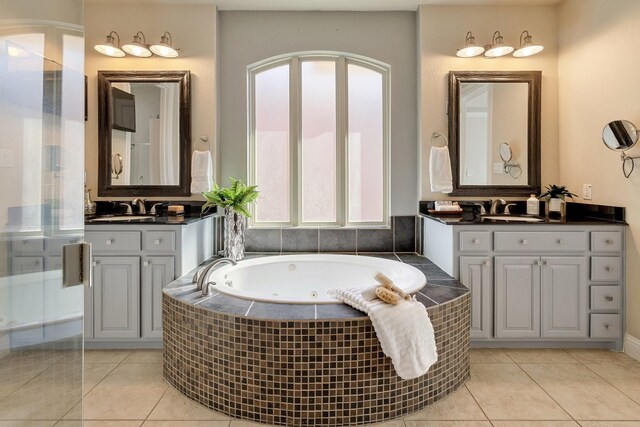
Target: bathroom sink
(512, 218)
(120, 218)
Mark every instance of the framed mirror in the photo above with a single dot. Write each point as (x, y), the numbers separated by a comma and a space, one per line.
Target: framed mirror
(494, 129)
(144, 126)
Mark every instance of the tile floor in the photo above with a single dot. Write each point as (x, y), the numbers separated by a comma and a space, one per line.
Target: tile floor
(520, 388)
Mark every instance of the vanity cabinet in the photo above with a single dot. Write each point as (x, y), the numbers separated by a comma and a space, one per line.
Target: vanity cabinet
(132, 263)
(536, 283)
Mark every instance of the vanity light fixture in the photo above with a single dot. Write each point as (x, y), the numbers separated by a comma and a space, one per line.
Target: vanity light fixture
(497, 47)
(527, 47)
(110, 47)
(165, 48)
(470, 48)
(138, 46)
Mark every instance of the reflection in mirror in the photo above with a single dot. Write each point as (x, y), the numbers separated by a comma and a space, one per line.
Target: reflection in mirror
(490, 114)
(145, 135)
(494, 128)
(620, 135)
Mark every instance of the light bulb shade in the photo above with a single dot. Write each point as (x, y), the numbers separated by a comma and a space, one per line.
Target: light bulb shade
(497, 47)
(527, 47)
(470, 48)
(110, 47)
(164, 48)
(137, 47)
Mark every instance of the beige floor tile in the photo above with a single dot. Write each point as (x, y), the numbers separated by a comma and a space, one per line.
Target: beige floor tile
(40, 423)
(144, 356)
(534, 424)
(75, 413)
(35, 356)
(190, 424)
(586, 355)
(94, 373)
(447, 424)
(14, 375)
(625, 378)
(50, 395)
(541, 355)
(488, 355)
(460, 405)
(609, 423)
(582, 393)
(129, 423)
(175, 406)
(505, 392)
(129, 392)
(105, 356)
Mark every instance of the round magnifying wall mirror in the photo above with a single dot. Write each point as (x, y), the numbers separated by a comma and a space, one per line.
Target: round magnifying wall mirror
(620, 135)
(505, 152)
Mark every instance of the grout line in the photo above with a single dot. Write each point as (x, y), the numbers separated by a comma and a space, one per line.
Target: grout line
(476, 400)
(434, 301)
(249, 309)
(398, 257)
(315, 311)
(607, 381)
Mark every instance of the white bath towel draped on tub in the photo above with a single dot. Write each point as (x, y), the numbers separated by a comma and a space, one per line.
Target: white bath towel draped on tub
(404, 330)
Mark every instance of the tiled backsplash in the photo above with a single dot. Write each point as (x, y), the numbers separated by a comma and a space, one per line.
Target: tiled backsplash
(400, 237)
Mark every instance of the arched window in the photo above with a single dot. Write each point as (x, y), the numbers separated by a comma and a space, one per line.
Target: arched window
(319, 140)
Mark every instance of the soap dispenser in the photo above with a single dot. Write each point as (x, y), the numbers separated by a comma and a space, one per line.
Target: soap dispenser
(533, 205)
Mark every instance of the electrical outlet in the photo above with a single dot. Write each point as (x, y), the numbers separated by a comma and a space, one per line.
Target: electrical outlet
(586, 191)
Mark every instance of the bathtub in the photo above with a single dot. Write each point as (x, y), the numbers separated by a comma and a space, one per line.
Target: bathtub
(305, 279)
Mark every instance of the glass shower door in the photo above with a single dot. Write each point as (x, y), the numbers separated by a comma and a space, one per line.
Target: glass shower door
(42, 109)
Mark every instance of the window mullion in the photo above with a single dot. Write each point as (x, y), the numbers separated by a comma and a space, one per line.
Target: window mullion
(341, 141)
(295, 141)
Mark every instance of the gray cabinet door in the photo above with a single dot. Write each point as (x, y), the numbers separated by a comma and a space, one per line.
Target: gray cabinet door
(565, 299)
(116, 297)
(157, 272)
(517, 287)
(476, 274)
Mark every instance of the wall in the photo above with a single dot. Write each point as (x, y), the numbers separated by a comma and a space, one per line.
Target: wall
(193, 28)
(247, 37)
(442, 31)
(599, 67)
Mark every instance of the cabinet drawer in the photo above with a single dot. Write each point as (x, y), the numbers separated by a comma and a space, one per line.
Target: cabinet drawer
(114, 240)
(606, 268)
(475, 241)
(606, 298)
(159, 241)
(606, 241)
(606, 326)
(547, 241)
(27, 246)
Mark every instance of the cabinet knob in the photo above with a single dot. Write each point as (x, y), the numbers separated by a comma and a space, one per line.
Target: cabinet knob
(36, 262)
(560, 241)
(523, 241)
(608, 298)
(146, 263)
(108, 242)
(94, 263)
(475, 241)
(156, 242)
(606, 326)
(607, 268)
(609, 242)
(536, 263)
(487, 263)
(544, 262)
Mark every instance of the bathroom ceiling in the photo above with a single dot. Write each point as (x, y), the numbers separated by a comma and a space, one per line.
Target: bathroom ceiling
(342, 4)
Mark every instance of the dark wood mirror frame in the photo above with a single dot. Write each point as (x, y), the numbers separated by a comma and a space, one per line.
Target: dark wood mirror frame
(534, 79)
(105, 78)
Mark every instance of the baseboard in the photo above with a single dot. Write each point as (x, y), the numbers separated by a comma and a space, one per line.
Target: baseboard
(632, 346)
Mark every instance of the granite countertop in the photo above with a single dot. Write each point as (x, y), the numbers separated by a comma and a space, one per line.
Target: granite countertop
(440, 288)
(577, 214)
(153, 220)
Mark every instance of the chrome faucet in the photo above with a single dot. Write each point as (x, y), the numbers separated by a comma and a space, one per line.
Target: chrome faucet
(201, 275)
(206, 289)
(507, 209)
(495, 205)
(483, 211)
(154, 208)
(129, 210)
(142, 210)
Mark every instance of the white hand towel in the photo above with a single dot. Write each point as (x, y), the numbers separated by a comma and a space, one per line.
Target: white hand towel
(369, 294)
(440, 170)
(404, 330)
(201, 172)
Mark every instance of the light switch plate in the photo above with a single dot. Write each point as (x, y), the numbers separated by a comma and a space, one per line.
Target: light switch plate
(586, 191)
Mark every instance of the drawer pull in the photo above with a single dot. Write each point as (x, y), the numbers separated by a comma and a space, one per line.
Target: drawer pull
(475, 241)
(108, 242)
(36, 262)
(25, 242)
(608, 298)
(560, 241)
(607, 268)
(523, 242)
(606, 326)
(156, 242)
(609, 242)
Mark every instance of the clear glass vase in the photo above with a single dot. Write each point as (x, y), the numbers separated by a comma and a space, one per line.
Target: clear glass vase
(234, 226)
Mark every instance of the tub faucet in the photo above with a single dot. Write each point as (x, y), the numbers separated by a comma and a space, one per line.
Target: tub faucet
(142, 210)
(495, 205)
(201, 275)
(206, 289)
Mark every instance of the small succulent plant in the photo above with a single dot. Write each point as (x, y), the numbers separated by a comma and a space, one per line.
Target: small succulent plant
(556, 192)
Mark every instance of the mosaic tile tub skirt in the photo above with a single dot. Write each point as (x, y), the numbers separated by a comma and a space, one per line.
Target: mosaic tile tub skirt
(329, 372)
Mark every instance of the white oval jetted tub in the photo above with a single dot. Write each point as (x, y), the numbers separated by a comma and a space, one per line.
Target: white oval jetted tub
(305, 279)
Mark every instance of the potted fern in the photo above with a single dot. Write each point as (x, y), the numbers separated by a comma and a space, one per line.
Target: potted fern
(555, 196)
(234, 200)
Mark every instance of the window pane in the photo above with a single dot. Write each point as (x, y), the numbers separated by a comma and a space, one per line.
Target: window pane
(272, 144)
(365, 144)
(318, 141)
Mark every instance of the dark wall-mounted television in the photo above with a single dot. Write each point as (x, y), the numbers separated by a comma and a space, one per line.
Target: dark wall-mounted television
(124, 110)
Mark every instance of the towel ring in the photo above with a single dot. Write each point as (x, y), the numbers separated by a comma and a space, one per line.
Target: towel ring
(205, 140)
(437, 135)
